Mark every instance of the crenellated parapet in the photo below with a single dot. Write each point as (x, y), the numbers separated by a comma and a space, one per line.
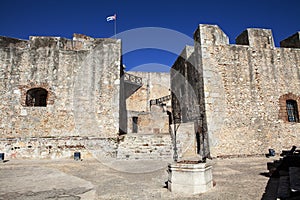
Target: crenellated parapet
(78, 42)
(211, 35)
(8, 42)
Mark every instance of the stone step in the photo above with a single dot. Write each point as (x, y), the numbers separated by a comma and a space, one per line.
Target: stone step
(146, 146)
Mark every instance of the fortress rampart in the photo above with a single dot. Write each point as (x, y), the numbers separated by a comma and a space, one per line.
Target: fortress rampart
(241, 91)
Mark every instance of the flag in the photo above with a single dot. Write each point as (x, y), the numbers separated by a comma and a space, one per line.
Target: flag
(110, 18)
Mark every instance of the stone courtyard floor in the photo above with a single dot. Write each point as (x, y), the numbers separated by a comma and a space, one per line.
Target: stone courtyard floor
(236, 178)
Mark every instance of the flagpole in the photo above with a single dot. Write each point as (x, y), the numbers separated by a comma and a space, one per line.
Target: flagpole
(114, 18)
(115, 27)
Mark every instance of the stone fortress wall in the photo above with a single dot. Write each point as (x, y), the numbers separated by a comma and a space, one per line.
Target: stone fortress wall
(227, 99)
(244, 88)
(60, 96)
(80, 79)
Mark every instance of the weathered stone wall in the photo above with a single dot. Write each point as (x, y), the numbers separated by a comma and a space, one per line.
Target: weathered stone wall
(188, 103)
(151, 119)
(185, 90)
(59, 147)
(147, 125)
(242, 94)
(244, 86)
(155, 122)
(81, 76)
(155, 85)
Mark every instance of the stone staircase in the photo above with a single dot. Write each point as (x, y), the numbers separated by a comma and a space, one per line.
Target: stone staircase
(145, 146)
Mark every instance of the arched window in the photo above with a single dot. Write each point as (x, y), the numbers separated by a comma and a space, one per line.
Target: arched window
(36, 97)
(292, 110)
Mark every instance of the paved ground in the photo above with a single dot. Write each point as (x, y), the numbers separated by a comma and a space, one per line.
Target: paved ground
(238, 178)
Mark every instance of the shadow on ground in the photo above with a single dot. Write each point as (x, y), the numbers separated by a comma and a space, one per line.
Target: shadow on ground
(284, 177)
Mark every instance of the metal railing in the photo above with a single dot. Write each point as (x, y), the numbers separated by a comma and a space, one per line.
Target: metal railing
(160, 100)
(133, 79)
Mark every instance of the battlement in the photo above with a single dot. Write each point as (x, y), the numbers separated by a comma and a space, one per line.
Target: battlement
(210, 35)
(79, 42)
(254, 37)
(207, 35)
(7, 42)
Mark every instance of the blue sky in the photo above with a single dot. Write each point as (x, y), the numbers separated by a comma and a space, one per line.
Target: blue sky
(23, 18)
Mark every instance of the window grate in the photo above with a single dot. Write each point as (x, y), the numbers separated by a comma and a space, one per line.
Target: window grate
(292, 111)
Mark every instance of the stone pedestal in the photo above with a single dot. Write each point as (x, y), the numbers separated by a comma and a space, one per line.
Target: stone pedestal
(190, 178)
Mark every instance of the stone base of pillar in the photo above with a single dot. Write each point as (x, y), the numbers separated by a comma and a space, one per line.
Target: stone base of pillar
(190, 178)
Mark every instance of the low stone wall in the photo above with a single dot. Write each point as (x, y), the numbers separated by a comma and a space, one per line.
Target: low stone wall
(132, 146)
(55, 148)
(146, 146)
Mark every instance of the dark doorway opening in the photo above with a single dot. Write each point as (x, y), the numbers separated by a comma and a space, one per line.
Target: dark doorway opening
(134, 124)
(198, 140)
